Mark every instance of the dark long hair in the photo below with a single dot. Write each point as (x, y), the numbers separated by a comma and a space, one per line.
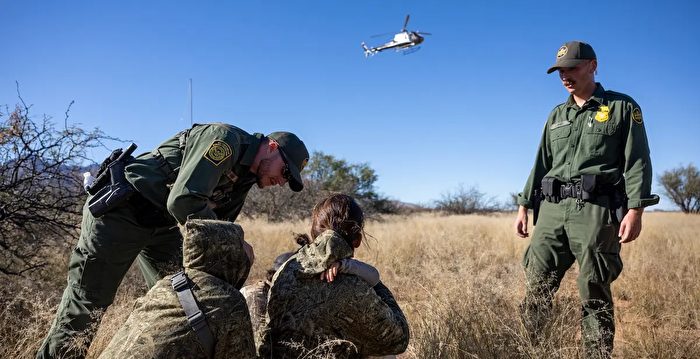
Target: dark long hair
(340, 213)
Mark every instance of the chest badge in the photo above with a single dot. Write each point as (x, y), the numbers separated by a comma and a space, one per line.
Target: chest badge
(603, 114)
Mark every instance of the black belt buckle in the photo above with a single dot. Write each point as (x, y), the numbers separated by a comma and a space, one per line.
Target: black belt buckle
(568, 190)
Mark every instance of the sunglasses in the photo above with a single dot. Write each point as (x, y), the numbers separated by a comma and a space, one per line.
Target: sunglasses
(286, 173)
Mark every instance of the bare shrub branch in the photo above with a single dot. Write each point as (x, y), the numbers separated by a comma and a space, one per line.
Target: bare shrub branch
(324, 174)
(40, 185)
(682, 186)
(466, 201)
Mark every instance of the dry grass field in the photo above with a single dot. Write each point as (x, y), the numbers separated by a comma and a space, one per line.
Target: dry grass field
(459, 281)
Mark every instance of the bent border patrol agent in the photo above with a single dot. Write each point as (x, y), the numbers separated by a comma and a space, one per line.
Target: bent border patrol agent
(204, 172)
(592, 165)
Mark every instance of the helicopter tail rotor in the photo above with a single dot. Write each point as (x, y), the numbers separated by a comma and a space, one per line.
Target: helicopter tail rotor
(368, 52)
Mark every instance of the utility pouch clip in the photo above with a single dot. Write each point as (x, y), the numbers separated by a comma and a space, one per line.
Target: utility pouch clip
(588, 187)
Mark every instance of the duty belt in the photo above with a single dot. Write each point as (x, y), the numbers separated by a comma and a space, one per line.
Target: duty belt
(568, 190)
(587, 189)
(576, 190)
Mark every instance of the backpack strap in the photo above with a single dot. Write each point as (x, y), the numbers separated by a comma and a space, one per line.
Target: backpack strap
(195, 317)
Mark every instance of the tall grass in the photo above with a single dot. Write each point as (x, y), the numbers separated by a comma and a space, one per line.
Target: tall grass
(459, 281)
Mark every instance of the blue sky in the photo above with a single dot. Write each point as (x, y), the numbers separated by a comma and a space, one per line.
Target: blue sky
(467, 108)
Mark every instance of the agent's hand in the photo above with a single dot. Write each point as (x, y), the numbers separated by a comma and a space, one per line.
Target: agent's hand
(521, 223)
(631, 225)
(330, 273)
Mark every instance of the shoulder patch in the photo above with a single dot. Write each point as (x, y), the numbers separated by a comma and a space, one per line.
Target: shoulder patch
(218, 152)
(637, 115)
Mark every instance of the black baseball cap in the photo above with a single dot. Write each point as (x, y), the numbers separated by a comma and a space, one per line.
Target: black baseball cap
(572, 54)
(295, 155)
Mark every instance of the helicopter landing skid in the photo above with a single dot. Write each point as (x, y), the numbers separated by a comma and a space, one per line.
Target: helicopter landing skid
(410, 50)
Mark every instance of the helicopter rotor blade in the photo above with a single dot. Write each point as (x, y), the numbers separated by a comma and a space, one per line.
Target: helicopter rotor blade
(384, 34)
(423, 33)
(405, 23)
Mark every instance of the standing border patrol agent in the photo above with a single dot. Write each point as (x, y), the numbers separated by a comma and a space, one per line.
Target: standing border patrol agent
(204, 172)
(592, 165)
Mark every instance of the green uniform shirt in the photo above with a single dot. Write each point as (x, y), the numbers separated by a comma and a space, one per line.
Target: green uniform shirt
(203, 172)
(605, 137)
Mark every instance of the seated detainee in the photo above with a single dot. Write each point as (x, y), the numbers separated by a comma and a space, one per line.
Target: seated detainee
(323, 301)
(256, 295)
(216, 260)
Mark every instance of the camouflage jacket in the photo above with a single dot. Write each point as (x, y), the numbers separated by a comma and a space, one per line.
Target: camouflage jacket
(216, 264)
(256, 297)
(346, 318)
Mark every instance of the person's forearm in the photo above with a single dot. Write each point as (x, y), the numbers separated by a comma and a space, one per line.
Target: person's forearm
(363, 270)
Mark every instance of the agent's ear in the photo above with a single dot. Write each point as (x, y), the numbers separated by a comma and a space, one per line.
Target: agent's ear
(594, 66)
(272, 145)
(356, 243)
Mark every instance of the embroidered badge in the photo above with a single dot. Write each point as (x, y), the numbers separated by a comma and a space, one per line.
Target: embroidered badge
(218, 152)
(562, 51)
(603, 114)
(637, 115)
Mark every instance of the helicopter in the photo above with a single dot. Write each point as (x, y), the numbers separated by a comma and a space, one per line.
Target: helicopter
(402, 41)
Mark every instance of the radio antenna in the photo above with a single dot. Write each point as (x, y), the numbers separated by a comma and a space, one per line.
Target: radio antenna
(191, 121)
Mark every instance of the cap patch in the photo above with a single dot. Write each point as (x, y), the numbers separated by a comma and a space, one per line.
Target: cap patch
(637, 115)
(603, 114)
(303, 164)
(562, 51)
(218, 152)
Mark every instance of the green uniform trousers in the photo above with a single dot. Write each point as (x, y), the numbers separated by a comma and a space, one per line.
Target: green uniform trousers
(587, 233)
(106, 249)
